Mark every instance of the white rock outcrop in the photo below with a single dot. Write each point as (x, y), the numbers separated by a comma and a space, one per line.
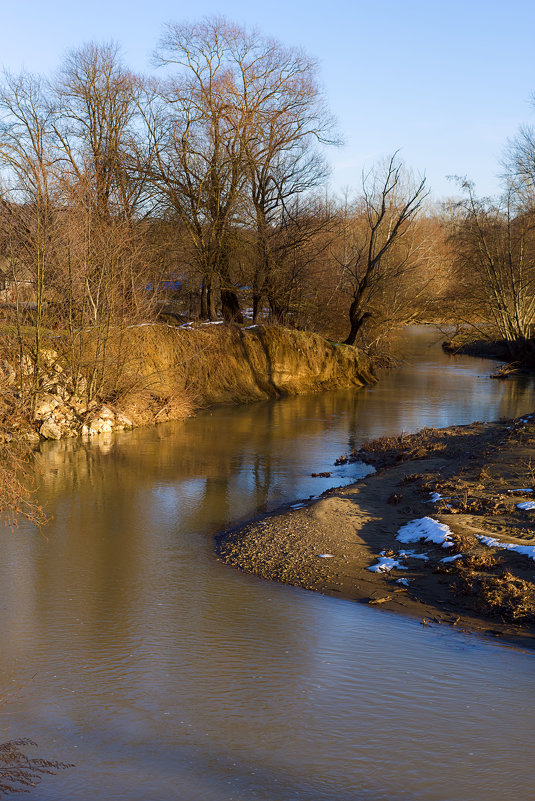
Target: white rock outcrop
(45, 403)
(50, 429)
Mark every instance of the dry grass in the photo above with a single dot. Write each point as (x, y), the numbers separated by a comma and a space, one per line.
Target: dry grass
(481, 562)
(504, 595)
(385, 451)
(476, 506)
(224, 363)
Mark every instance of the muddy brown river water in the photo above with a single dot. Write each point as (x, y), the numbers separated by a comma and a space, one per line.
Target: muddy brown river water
(128, 650)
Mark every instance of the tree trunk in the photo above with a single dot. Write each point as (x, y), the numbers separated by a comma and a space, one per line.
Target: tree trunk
(231, 306)
(277, 312)
(257, 307)
(204, 299)
(357, 321)
(210, 295)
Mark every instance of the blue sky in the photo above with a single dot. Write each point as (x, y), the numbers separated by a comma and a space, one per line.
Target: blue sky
(446, 83)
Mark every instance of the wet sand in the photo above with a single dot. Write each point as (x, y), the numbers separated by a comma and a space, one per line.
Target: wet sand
(481, 473)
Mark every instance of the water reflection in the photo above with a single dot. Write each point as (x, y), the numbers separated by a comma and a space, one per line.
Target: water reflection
(164, 674)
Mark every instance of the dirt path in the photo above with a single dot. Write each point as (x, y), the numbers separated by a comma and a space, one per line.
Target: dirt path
(469, 479)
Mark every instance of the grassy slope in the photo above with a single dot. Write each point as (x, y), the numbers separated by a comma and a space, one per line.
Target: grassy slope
(157, 372)
(226, 364)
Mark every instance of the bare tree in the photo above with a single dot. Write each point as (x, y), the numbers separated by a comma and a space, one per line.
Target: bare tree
(29, 198)
(519, 163)
(381, 252)
(194, 126)
(494, 246)
(104, 250)
(288, 118)
(95, 126)
(234, 133)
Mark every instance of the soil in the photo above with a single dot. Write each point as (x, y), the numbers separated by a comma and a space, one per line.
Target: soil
(481, 471)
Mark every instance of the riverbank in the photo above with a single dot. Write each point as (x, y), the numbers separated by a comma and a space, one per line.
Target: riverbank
(469, 488)
(518, 360)
(157, 373)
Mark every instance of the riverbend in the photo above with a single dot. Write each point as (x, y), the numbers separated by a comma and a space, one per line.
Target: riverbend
(164, 674)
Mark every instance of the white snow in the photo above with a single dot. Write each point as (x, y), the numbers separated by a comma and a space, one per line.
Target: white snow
(413, 555)
(527, 506)
(325, 555)
(522, 489)
(452, 558)
(491, 542)
(435, 496)
(428, 529)
(403, 581)
(386, 564)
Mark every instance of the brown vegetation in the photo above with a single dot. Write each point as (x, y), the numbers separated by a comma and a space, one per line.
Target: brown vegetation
(194, 195)
(504, 595)
(199, 194)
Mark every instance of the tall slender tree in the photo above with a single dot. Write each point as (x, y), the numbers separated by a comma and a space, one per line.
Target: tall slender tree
(381, 254)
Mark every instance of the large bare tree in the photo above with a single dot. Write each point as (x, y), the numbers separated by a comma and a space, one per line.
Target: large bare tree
(95, 127)
(288, 120)
(233, 130)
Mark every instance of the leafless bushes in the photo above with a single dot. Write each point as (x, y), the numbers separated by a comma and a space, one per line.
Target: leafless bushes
(495, 260)
(17, 480)
(494, 255)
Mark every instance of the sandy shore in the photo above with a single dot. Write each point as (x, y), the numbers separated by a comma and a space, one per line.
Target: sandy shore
(469, 479)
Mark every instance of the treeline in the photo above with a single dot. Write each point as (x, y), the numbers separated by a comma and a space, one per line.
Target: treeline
(117, 187)
(201, 192)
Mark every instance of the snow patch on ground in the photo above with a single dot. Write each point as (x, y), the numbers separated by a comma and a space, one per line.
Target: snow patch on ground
(522, 489)
(413, 555)
(325, 555)
(386, 564)
(527, 506)
(428, 529)
(491, 542)
(435, 496)
(452, 558)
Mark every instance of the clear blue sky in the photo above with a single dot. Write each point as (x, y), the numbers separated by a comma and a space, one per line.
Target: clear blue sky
(445, 82)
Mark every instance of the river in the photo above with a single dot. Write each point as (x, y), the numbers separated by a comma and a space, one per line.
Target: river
(130, 651)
